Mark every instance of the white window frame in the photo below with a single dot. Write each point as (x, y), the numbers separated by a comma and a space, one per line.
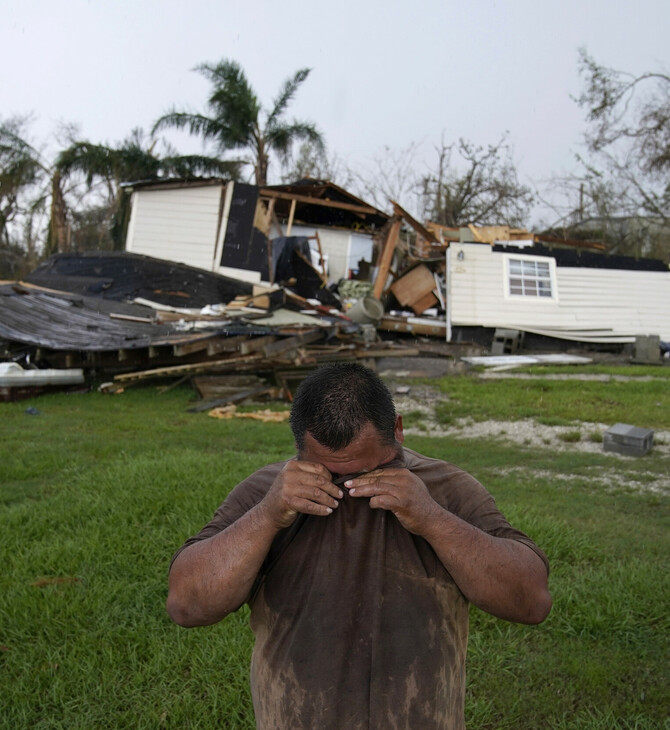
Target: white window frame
(531, 280)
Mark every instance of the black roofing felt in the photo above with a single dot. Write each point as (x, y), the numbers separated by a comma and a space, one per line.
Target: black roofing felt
(63, 321)
(586, 259)
(119, 275)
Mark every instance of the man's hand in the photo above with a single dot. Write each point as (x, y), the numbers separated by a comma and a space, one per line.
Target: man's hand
(301, 486)
(400, 492)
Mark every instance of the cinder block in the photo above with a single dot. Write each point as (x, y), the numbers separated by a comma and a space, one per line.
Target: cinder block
(647, 349)
(628, 440)
(506, 342)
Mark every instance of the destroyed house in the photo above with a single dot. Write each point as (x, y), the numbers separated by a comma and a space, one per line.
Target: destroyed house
(581, 296)
(239, 230)
(497, 279)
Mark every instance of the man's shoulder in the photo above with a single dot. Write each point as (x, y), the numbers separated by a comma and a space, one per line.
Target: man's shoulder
(416, 461)
(447, 482)
(261, 479)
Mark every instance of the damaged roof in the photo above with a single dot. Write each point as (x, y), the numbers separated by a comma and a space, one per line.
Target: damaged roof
(321, 202)
(120, 275)
(315, 202)
(63, 321)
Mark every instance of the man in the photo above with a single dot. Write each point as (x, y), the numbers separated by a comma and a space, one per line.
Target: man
(359, 559)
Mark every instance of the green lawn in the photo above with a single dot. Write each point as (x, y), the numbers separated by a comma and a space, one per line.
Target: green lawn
(98, 491)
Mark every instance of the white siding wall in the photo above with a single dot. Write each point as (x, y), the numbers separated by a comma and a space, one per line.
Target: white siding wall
(597, 305)
(343, 249)
(177, 224)
(335, 246)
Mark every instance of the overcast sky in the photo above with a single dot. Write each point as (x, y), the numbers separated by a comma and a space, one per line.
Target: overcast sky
(390, 73)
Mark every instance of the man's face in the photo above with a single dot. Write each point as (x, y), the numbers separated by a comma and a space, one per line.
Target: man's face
(365, 453)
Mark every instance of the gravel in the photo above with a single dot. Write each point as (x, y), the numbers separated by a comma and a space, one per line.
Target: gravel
(580, 437)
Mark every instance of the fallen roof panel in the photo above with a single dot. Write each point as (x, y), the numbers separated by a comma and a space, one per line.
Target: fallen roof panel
(119, 275)
(63, 321)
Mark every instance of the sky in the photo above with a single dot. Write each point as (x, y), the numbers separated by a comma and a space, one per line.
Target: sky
(384, 74)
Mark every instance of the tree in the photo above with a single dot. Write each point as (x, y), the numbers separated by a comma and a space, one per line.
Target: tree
(391, 175)
(23, 195)
(628, 135)
(236, 120)
(311, 161)
(102, 169)
(20, 170)
(481, 188)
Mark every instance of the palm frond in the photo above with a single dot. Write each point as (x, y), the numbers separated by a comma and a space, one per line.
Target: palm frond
(196, 124)
(280, 137)
(190, 165)
(233, 101)
(286, 94)
(91, 160)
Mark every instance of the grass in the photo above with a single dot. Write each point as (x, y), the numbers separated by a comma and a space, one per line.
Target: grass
(558, 402)
(97, 492)
(570, 436)
(661, 371)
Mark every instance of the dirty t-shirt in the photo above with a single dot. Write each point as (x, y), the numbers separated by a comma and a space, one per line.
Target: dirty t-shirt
(357, 623)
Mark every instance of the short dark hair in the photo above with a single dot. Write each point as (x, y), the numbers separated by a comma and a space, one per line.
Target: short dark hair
(336, 401)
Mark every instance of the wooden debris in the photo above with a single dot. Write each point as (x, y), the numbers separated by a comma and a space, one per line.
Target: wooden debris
(231, 363)
(230, 399)
(416, 289)
(387, 257)
(219, 386)
(414, 325)
(267, 416)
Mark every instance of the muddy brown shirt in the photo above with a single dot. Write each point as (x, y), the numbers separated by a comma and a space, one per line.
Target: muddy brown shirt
(357, 623)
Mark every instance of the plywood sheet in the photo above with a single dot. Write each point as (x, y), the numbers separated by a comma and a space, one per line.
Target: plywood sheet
(414, 285)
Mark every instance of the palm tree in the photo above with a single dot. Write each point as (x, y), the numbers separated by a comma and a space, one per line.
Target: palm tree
(25, 184)
(21, 171)
(234, 121)
(132, 160)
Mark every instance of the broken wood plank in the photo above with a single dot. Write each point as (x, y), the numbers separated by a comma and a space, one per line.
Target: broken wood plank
(192, 368)
(363, 209)
(418, 227)
(292, 343)
(291, 215)
(220, 386)
(256, 343)
(206, 405)
(167, 388)
(386, 258)
(478, 237)
(186, 348)
(225, 344)
(424, 326)
(407, 352)
(129, 318)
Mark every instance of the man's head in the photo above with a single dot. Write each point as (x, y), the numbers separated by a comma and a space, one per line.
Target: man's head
(334, 403)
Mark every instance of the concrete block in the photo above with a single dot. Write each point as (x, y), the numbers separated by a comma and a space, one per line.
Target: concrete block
(628, 440)
(506, 342)
(647, 349)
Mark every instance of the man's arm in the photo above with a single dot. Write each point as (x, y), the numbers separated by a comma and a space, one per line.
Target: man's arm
(501, 576)
(210, 579)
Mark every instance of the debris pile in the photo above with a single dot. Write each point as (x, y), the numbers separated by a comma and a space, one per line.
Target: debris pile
(275, 312)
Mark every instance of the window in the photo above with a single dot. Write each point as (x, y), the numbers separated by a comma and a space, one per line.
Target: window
(529, 277)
